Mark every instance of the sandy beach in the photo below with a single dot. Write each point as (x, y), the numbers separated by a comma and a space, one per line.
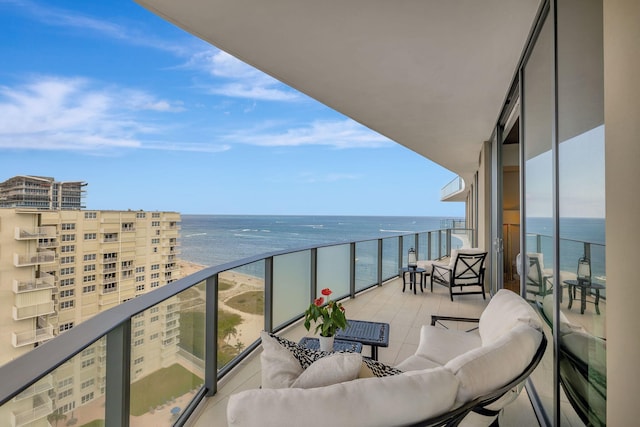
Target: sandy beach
(251, 325)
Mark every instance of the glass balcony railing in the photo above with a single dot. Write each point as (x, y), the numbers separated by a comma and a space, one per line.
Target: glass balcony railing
(455, 185)
(165, 351)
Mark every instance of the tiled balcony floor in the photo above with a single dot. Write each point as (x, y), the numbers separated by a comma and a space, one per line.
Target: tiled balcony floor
(405, 312)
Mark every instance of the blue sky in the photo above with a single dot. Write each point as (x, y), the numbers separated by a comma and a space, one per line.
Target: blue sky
(153, 118)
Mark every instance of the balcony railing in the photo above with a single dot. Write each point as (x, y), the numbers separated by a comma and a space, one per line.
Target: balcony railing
(30, 311)
(282, 283)
(455, 185)
(43, 257)
(35, 233)
(45, 281)
(31, 337)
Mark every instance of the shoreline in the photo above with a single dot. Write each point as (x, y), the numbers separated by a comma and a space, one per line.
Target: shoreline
(251, 324)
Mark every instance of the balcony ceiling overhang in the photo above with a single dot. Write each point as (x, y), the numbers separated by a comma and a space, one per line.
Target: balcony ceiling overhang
(431, 75)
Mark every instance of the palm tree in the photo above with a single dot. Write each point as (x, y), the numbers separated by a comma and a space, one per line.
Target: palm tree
(55, 417)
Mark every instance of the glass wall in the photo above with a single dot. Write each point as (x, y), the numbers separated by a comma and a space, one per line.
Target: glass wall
(581, 194)
(537, 113)
(563, 267)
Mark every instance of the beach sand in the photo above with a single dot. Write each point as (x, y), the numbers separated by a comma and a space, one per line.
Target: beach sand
(251, 325)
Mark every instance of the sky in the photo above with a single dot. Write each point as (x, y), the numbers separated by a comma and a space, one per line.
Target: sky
(154, 118)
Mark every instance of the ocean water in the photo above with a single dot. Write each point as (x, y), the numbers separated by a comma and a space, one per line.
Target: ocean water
(216, 239)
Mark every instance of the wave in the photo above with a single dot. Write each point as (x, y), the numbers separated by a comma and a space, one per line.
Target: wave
(195, 234)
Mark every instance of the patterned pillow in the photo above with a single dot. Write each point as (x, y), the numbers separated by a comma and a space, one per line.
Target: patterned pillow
(304, 355)
(373, 368)
(370, 367)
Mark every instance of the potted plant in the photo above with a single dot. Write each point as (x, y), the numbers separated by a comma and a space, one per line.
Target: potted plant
(328, 317)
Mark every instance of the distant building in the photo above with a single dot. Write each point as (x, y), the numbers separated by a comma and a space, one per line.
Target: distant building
(38, 192)
(61, 267)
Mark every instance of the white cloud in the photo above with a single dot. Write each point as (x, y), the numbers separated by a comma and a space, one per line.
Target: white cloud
(235, 79)
(51, 113)
(337, 134)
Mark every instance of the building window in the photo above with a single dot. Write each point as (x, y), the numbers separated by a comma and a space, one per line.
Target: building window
(88, 351)
(141, 215)
(139, 342)
(87, 383)
(65, 393)
(155, 215)
(90, 257)
(68, 237)
(67, 293)
(86, 398)
(127, 226)
(67, 260)
(90, 236)
(67, 270)
(90, 215)
(138, 361)
(66, 304)
(89, 289)
(155, 284)
(155, 241)
(67, 282)
(88, 362)
(154, 336)
(89, 278)
(68, 248)
(139, 288)
(68, 226)
(155, 318)
(90, 267)
(155, 223)
(140, 269)
(65, 382)
(139, 278)
(65, 327)
(139, 333)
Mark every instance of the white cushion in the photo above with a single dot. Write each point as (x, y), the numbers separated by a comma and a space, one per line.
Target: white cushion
(455, 252)
(417, 363)
(333, 369)
(505, 311)
(487, 368)
(363, 402)
(441, 345)
(565, 326)
(279, 367)
(587, 348)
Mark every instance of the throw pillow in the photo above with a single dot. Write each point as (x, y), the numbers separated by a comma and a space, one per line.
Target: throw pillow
(279, 367)
(373, 368)
(333, 369)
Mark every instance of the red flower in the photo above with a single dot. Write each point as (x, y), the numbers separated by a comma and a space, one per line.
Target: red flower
(318, 301)
(326, 292)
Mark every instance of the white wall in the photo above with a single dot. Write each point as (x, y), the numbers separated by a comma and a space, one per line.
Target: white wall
(622, 151)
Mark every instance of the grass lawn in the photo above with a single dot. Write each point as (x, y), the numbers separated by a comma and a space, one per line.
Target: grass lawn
(155, 389)
(192, 333)
(94, 423)
(250, 302)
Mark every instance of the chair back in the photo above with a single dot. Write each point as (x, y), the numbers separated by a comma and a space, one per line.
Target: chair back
(469, 266)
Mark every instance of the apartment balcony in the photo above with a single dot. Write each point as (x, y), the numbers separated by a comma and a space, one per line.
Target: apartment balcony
(42, 386)
(42, 410)
(45, 281)
(454, 191)
(34, 233)
(31, 311)
(34, 258)
(31, 337)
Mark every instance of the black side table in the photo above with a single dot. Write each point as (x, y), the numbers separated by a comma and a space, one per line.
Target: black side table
(412, 278)
(584, 287)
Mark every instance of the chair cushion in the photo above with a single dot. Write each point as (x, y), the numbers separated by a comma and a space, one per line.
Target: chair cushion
(455, 252)
(489, 367)
(441, 345)
(362, 402)
(505, 311)
(416, 363)
(373, 368)
(333, 369)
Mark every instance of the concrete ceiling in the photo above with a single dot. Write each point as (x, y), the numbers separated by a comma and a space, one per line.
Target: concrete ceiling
(431, 75)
